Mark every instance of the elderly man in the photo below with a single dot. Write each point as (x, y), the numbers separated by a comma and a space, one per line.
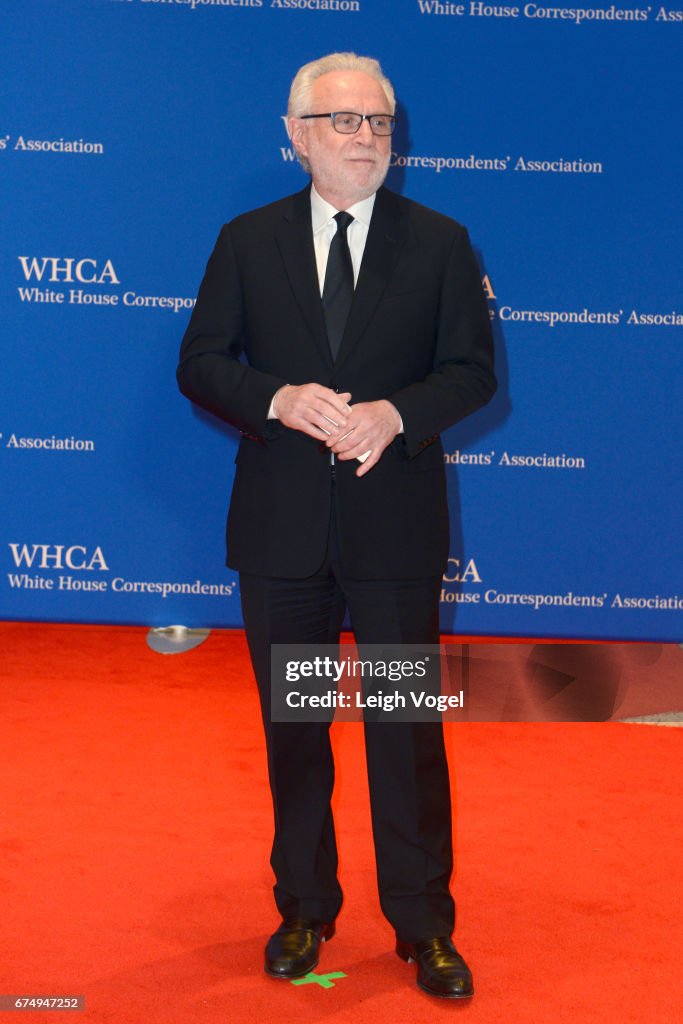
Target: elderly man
(365, 333)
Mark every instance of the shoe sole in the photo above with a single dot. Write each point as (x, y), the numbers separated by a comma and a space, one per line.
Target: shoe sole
(446, 995)
(290, 977)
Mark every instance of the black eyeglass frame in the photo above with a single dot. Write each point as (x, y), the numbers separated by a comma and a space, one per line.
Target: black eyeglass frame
(363, 117)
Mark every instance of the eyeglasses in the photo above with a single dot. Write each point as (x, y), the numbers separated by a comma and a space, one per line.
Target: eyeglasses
(347, 123)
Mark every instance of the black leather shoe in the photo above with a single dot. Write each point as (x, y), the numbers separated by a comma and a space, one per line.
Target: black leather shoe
(441, 971)
(294, 949)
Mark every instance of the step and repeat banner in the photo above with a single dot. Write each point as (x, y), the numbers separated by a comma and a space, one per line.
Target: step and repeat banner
(130, 130)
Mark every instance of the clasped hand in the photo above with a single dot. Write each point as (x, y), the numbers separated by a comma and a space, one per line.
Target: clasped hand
(350, 431)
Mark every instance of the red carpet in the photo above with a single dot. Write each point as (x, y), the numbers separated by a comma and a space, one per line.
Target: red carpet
(134, 838)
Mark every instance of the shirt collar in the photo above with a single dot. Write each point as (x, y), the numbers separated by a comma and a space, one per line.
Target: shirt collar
(322, 212)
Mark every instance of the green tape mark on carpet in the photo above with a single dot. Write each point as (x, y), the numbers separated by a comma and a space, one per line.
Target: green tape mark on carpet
(324, 980)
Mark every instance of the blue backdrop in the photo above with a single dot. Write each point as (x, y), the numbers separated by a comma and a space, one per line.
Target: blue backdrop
(130, 130)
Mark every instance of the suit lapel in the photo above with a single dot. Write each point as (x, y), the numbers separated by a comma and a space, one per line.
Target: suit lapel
(294, 237)
(388, 231)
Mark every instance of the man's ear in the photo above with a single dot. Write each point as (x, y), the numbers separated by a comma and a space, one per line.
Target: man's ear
(297, 134)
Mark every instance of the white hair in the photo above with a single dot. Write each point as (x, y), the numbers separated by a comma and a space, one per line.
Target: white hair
(302, 86)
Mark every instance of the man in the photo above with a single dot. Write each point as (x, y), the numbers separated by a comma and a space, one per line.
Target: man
(365, 331)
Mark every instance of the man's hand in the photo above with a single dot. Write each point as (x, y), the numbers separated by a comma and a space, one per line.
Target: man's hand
(313, 409)
(371, 427)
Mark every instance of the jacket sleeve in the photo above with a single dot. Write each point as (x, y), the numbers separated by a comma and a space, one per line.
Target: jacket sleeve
(210, 371)
(462, 379)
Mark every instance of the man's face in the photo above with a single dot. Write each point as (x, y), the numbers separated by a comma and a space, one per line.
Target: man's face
(345, 168)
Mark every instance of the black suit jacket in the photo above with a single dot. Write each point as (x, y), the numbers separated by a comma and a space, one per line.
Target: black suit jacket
(418, 334)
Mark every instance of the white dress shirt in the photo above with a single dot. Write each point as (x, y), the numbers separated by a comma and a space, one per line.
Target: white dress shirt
(324, 229)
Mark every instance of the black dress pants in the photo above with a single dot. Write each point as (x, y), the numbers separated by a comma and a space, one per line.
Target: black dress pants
(406, 762)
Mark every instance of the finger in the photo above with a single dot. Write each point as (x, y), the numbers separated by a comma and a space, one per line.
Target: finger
(324, 392)
(298, 398)
(340, 436)
(339, 423)
(323, 423)
(333, 431)
(313, 431)
(319, 411)
(372, 460)
(350, 445)
(333, 404)
(311, 423)
(356, 450)
(337, 407)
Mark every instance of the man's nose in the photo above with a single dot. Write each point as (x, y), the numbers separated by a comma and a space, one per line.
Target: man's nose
(364, 133)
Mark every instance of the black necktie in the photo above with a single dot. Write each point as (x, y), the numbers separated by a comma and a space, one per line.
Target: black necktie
(338, 286)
